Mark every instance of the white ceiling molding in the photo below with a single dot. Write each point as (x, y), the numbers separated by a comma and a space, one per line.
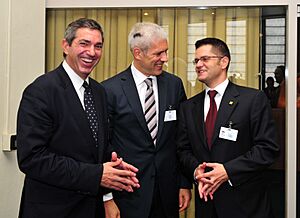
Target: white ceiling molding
(159, 3)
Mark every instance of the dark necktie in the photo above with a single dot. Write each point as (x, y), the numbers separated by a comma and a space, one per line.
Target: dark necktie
(90, 110)
(211, 117)
(150, 110)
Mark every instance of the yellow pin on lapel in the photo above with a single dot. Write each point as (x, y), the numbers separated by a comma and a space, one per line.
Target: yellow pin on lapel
(230, 102)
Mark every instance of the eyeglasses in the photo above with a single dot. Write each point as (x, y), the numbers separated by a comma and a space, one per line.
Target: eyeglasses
(205, 59)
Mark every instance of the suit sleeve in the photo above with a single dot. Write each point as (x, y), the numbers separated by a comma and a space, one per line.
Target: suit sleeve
(187, 160)
(185, 182)
(35, 129)
(263, 144)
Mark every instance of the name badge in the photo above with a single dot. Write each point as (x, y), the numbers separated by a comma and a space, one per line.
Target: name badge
(170, 115)
(228, 133)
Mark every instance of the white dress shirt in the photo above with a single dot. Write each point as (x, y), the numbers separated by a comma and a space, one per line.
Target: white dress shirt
(218, 98)
(141, 86)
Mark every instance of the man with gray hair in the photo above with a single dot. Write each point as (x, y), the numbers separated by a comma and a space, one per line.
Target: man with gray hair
(142, 105)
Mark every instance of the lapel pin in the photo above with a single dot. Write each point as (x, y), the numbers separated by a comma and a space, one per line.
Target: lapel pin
(230, 102)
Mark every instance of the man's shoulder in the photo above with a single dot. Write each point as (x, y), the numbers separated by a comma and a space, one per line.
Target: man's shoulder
(47, 78)
(196, 99)
(243, 89)
(170, 76)
(246, 94)
(119, 76)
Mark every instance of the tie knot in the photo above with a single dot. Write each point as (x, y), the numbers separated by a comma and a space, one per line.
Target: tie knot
(85, 85)
(148, 82)
(212, 93)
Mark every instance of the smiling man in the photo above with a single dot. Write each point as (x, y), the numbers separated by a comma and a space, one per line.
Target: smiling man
(62, 134)
(142, 102)
(226, 140)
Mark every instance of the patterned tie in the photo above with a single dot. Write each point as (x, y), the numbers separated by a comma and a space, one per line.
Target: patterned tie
(90, 110)
(211, 117)
(150, 110)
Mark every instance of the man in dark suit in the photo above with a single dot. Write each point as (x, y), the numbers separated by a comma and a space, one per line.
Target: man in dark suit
(225, 143)
(59, 151)
(142, 102)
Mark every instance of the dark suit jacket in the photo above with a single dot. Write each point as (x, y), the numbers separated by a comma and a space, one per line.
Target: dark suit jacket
(131, 139)
(57, 152)
(244, 159)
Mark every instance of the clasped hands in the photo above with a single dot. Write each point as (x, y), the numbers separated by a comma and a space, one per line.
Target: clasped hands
(209, 182)
(119, 175)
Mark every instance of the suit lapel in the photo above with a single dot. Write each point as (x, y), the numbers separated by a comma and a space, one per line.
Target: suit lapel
(198, 114)
(162, 86)
(75, 107)
(129, 88)
(227, 106)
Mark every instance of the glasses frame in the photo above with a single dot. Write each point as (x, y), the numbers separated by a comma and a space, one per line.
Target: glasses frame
(206, 58)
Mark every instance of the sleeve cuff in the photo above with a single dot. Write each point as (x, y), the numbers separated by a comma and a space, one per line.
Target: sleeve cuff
(107, 197)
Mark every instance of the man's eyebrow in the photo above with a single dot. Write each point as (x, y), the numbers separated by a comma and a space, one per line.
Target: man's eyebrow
(84, 40)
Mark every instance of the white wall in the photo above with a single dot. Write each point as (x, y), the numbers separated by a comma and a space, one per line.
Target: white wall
(21, 60)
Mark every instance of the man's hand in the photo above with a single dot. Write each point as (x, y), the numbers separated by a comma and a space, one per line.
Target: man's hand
(185, 196)
(199, 172)
(111, 209)
(125, 166)
(212, 179)
(115, 177)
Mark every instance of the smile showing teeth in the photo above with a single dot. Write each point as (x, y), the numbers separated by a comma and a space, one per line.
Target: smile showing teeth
(87, 60)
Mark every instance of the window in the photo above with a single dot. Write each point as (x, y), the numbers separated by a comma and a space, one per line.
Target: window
(236, 41)
(274, 44)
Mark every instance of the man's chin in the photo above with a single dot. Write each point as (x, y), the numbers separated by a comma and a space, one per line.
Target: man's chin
(157, 73)
(201, 79)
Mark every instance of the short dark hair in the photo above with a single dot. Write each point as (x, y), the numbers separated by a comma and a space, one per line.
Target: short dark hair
(282, 69)
(217, 44)
(70, 32)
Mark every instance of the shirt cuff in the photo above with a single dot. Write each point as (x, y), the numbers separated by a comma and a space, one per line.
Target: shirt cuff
(195, 180)
(107, 197)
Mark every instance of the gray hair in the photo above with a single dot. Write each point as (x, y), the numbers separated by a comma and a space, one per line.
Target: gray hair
(142, 35)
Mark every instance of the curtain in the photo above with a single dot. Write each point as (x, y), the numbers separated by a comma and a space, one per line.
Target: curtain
(239, 27)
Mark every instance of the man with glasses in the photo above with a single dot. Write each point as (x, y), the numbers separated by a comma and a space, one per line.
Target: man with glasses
(226, 139)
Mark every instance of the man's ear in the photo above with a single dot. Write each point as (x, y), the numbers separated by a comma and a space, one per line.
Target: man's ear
(65, 46)
(137, 53)
(224, 62)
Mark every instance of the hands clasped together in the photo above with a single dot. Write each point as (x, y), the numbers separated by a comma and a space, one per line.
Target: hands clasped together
(119, 175)
(209, 182)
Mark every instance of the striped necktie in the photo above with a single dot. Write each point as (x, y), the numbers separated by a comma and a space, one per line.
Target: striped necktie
(150, 110)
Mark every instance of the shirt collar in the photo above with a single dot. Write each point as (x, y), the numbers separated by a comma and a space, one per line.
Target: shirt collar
(77, 81)
(138, 76)
(219, 88)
